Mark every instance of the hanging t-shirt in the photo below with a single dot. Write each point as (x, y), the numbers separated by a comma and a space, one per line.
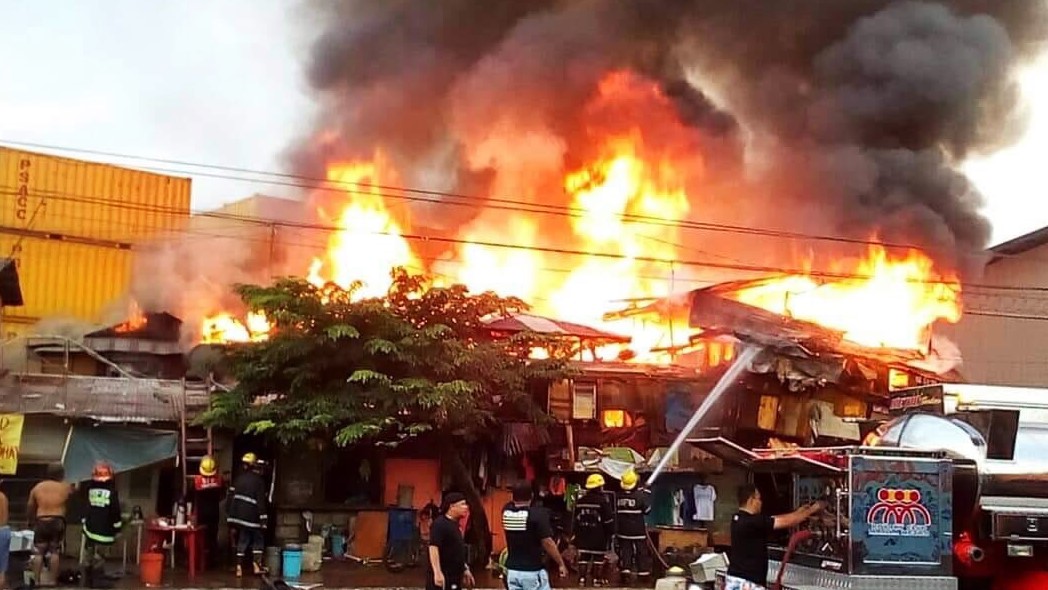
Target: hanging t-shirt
(705, 496)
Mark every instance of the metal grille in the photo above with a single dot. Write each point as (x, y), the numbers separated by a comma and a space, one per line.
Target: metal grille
(805, 578)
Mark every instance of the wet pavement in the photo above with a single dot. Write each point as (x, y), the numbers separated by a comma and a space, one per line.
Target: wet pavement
(333, 575)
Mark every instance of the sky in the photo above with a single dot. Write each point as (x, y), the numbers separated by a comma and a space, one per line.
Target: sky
(221, 83)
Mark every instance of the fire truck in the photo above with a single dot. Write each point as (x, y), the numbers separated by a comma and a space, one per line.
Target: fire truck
(949, 499)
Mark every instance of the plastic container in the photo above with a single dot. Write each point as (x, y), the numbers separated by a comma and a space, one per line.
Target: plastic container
(401, 525)
(338, 545)
(292, 562)
(273, 561)
(152, 568)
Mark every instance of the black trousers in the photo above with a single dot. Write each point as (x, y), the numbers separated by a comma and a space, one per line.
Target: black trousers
(214, 552)
(451, 582)
(634, 556)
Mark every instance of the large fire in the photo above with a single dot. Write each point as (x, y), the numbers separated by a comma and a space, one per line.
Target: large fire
(879, 302)
(629, 176)
(224, 328)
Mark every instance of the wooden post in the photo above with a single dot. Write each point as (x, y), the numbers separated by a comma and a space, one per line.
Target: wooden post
(210, 435)
(182, 428)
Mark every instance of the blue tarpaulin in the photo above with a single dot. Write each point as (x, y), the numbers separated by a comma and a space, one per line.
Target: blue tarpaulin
(124, 448)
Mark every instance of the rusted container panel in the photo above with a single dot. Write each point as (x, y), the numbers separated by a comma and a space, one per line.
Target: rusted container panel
(88, 200)
(66, 279)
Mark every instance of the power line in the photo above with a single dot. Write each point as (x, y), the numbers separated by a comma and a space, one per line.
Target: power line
(566, 251)
(764, 269)
(275, 222)
(440, 197)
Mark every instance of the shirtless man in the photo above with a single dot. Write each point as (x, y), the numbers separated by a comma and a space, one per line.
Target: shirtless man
(47, 510)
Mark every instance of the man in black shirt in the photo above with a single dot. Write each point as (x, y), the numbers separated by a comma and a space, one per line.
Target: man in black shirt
(447, 550)
(528, 535)
(750, 532)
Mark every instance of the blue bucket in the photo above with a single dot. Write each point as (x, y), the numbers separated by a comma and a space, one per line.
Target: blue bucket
(338, 545)
(292, 563)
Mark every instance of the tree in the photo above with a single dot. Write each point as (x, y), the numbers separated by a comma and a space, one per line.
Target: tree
(417, 362)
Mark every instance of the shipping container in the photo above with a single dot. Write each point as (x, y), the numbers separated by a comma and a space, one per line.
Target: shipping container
(66, 279)
(45, 194)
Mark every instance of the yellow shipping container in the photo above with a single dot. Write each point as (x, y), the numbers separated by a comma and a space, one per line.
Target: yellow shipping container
(53, 195)
(66, 279)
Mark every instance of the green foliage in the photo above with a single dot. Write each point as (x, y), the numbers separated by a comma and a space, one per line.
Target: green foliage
(383, 370)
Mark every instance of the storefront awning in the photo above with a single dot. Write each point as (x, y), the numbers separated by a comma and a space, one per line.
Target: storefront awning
(122, 447)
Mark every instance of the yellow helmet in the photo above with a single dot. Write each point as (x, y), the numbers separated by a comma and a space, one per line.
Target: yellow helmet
(249, 459)
(594, 481)
(629, 480)
(208, 467)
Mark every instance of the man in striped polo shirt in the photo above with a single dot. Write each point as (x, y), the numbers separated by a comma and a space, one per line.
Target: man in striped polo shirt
(528, 535)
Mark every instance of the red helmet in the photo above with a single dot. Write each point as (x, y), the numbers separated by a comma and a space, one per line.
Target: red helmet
(102, 472)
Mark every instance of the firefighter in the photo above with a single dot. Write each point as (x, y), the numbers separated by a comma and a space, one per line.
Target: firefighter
(208, 491)
(594, 528)
(102, 523)
(247, 514)
(631, 532)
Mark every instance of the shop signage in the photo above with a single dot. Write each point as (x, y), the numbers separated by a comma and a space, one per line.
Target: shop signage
(10, 442)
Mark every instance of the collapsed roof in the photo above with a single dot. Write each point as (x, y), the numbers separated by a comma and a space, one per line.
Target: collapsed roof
(801, 352)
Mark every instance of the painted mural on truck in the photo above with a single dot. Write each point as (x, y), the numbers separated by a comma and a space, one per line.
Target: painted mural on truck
(901, 515)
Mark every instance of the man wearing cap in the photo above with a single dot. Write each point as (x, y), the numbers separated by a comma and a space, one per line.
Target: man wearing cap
(247, 514)
(529, 535)
(447, 568)
(631, 532)
(594, 528)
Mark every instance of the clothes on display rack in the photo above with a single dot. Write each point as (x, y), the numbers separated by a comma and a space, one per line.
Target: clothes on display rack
(705, 496)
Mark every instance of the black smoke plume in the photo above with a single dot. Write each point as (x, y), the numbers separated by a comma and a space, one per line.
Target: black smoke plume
(851, 117)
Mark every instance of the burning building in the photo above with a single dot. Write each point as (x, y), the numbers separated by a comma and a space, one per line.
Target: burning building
(592, 155)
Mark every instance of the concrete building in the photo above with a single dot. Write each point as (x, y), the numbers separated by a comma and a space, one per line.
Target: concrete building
(1003, 336)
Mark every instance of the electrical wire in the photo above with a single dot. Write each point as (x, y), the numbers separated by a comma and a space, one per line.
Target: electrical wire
(441, 197)
(575, 252)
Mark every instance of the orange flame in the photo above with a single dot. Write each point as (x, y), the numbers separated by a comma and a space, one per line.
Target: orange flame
(224, 328)
(886, 302)
(369, 241)
(136, 320)
(632, 172)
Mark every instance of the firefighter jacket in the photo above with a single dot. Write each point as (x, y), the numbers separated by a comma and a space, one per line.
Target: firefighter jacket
(208, 492)
(631, 506)
(247, 503)
(102, 522)
(594, 521)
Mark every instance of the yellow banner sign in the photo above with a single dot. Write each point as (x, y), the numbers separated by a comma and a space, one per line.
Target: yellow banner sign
(10, 442)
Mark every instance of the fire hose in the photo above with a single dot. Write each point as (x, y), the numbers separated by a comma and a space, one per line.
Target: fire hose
(795, 539)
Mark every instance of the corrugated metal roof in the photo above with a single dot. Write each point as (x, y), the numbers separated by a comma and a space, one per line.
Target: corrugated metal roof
(523, 322)
(107, 399)
(1023, 243)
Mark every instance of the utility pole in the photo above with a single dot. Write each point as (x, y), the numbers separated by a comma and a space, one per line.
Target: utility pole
(272, 251)
(182, 428)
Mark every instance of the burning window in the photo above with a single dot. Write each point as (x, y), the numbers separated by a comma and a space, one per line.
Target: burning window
(616, 419)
